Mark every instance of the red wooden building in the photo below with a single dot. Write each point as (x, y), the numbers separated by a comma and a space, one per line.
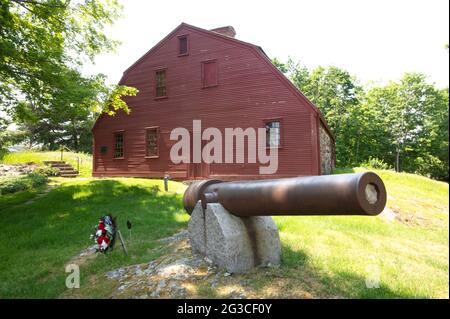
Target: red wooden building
(208, 75)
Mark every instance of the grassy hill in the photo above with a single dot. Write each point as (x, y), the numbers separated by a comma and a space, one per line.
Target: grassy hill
(406, 249)
(39, 158)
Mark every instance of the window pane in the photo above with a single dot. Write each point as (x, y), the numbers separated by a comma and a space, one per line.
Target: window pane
(273, 133)
(152, 142)
(183, 45)
(161, 83)
(209, 73)
(118, 145)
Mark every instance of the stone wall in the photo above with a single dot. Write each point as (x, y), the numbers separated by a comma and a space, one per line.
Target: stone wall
(326, 151)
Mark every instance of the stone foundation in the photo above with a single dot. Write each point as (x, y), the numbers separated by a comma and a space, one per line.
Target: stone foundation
(234, 243)
(326, 152)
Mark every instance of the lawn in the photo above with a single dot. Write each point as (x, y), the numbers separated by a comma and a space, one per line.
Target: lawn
(38, 238)
(24, 157)
(321, 256)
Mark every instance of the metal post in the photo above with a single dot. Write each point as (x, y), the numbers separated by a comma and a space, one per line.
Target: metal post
(166, 183)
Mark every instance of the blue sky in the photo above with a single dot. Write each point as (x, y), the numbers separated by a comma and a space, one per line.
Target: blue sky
(376, 41)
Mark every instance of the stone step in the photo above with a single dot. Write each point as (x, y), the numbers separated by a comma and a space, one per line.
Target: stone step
(65, 170)
(68, 175)
(59, 164)
(69, 171)
(54, 162)
(62, 167)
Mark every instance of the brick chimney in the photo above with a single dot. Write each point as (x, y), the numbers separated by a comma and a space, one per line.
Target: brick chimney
(228, 31)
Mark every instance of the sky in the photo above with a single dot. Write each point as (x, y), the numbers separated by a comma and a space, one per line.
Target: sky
(376, 41)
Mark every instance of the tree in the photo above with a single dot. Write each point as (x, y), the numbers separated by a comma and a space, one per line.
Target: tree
(410, 109)
(335, 92)
(43, 44)
(403, 124)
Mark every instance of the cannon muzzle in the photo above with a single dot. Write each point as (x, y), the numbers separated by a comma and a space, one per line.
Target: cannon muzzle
(343, 194)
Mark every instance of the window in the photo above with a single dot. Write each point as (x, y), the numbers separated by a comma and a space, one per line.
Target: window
(118, 145)
(273, 134)
(183, 48)
(161, 83)
(152, 135)
(209, 73)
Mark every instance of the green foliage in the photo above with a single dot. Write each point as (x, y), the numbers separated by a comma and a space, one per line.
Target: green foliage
(10, 137)
(376, 163)
(281, 66)
(32, 233)
(71, 158)
(431, 166)
(404, 124)
(46, 171)
(322, 256)
(43, 45)
(16, 184)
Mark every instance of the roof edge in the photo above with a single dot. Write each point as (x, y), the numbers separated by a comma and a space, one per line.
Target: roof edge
(257, 49)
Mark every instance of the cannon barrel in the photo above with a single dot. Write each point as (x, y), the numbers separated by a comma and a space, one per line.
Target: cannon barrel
(343, 194)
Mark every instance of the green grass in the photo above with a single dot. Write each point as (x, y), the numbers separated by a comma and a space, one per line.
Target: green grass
(10, 200)
(39, 238)
(410, 259)
(322, 256)
(40, 157)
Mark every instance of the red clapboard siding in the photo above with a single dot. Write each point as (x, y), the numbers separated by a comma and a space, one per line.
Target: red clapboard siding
(248, 90)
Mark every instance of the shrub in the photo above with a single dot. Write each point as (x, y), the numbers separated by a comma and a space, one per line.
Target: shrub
(47, 171)
(37, 179)
(376, 163)
(431, 166)
(21, 183)
(10, 186)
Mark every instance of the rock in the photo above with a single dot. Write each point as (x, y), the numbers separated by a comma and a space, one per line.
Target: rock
(173, 285)
(115, 274)
(234, 243)
(161, 284)
(179, 236)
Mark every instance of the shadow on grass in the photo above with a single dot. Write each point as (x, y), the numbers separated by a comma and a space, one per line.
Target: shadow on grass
(297, 278)
(297, 267)
(39, 238)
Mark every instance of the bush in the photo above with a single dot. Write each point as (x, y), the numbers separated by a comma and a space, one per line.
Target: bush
(376, 163)
(22, 183)
(47, 171)
(431, 166)
(12, 186)
(3, 152)
(37, 179)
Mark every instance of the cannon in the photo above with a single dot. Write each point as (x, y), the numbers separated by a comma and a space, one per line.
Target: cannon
(231, 224)
(344, 194)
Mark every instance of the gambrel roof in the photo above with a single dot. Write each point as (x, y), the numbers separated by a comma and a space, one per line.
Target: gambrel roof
(257, 50)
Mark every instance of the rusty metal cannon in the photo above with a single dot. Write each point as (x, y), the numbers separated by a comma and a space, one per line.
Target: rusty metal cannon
(231, 224)
(344, 194)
